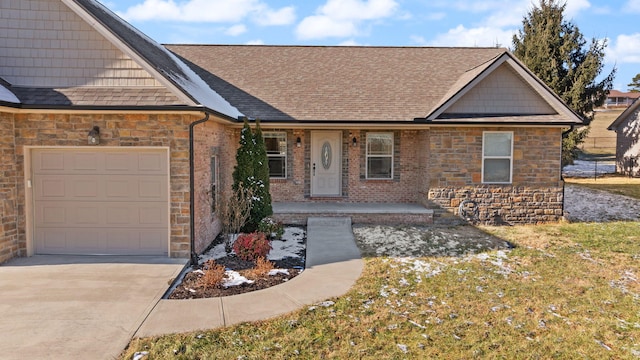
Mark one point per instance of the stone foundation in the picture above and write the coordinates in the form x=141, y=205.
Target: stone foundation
x=501, y=205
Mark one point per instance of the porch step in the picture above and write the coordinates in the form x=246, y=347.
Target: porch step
x=297, y=213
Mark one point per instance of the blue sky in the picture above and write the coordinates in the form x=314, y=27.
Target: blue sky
x=379, y=23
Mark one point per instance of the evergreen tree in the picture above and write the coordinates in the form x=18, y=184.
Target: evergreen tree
x=635, y=84
x=243, y=171
x=556, y=51
x=251, y=174
x=262, y=198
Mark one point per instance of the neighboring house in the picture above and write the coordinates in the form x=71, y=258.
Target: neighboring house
x=432, y=126
x=619, y=99
x=627, y=128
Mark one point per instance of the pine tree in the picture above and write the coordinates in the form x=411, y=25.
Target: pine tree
x=635, y=84
x=556, y=51
x=243, y=171
x=262, y=198
x=251, y=174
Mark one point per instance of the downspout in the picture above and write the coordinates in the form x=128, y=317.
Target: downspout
x=192, y=222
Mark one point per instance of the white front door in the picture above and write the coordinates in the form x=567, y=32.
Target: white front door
x=326, y=163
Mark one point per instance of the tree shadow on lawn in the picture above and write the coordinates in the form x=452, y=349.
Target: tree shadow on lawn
x=425, y=241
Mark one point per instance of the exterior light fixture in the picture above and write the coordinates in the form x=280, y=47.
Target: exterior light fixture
x=94, y=136
x=354, y=142
x=298, y=141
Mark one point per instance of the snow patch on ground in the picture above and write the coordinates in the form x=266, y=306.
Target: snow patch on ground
x=582, y=204
x=583, y=168
x=290, y=245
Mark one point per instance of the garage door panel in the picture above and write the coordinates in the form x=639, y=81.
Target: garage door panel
x=121, y=214
x=101, y=188
x=66, y=241
x=102, y=241
x=101, y=201
x=136, y=162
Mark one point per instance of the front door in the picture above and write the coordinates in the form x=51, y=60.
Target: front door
x=326, y=163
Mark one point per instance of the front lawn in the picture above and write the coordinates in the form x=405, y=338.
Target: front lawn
x=565, y=291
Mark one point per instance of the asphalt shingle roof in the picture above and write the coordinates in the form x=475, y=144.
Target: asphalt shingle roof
x=96, y=96
x=333, y=83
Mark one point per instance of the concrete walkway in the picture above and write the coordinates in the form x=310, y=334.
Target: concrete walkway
x=333, y=266
x=78, y=307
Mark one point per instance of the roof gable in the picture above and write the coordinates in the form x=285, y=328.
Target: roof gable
x=503, y=88
x=45, y=44
x=79, y=53
x=623, y=118
x=166, y=67
x=501, y=92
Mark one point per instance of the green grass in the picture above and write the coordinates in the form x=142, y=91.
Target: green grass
x=565, y=291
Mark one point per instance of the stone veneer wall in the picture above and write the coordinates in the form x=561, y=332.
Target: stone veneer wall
x=9, y=246
x=536, y=194
x=166, y=130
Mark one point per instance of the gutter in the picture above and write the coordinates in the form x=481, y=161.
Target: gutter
x=192, y=230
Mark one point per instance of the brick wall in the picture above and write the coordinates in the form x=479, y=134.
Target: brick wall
x=536, y=194
x=8, y=196
x=166, y=130
x=211, y=139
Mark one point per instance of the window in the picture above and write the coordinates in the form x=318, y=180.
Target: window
x=497, y=159
x=379, y=156
x=276, y=144
x=214, y=183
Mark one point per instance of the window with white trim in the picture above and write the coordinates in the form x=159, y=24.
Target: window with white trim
x=276, y=144
x=379, y=155
x=497, y=157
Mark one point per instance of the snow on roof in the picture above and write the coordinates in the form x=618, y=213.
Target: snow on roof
x=199, y=90
x=7, y=96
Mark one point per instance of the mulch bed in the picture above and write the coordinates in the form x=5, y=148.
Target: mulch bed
x=192, y=286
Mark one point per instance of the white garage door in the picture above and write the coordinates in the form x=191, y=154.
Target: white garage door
x=102, y=201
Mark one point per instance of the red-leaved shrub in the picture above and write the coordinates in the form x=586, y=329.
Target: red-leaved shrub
x=252, y=246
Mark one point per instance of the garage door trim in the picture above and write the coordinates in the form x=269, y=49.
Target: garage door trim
x=29, y=178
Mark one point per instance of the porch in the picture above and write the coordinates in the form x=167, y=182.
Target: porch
x=296, y=213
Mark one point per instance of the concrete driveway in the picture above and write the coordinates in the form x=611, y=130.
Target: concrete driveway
x=78, y=307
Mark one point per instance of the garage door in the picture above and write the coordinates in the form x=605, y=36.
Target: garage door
x=101, y=201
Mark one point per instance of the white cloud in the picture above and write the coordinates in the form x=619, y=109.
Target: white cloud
x=633, y=6
x=625, y=49
x=284, y=16
x=236, y=30
x=255, y=42
x=342, y=18
x=318, y=27
x=358, y=10
x=574, y=7
x=480, y=36
x=209, y=11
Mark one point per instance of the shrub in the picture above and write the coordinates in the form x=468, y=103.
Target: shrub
x=263, y=266
x=252, y=246
x=213, y=273
x=273, y=229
